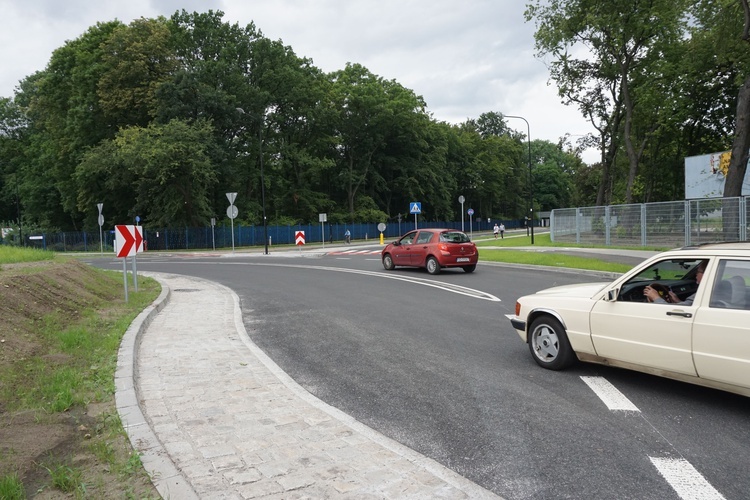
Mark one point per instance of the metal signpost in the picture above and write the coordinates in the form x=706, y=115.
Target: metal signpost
x=461, y=200
x=323, y=218
x=101, y=223
x=232, y=213
x=471, y=227
x=213, y=232
x=128, y=242
x=415, y=207
x=299, y=239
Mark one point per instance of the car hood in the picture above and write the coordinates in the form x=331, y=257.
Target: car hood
x=577, y=290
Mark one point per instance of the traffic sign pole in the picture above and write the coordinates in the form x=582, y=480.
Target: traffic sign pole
x=101, y=223
x=461, y=200
x=125, y=278
x=232, y=212
x=415, y=207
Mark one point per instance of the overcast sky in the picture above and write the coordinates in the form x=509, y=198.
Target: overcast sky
x=464, y=58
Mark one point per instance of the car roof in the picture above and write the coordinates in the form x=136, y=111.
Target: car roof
x=729, y=245
x=438, y=230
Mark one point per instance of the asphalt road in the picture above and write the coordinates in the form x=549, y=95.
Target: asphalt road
x=433, y=363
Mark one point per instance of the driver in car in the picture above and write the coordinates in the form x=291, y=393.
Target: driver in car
x=652, y=294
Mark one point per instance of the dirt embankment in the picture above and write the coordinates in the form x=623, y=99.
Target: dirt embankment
x=34, y=296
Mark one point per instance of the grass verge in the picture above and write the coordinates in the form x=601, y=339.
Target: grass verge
x=60, y=433
x=541, y=258
x=12, y=255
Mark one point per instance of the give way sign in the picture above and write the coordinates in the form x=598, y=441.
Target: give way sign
x=128, y=240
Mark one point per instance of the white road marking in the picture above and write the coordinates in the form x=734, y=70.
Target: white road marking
x=446, y=286
x=609, y=394
x=687, y=482
x=684, y=479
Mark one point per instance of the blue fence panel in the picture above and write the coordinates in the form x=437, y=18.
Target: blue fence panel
x=220, y=237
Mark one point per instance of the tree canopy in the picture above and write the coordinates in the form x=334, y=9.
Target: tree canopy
x=161, y=117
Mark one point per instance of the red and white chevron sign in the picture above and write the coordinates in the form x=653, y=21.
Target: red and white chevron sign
x=299, y=237
x=128, y=240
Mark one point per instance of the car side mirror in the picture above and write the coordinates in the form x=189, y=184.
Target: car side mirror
x=612, y=295
x=396, y=243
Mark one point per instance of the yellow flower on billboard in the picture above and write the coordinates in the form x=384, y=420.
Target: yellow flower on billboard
x=720, y=163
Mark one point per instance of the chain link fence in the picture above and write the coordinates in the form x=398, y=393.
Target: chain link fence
x=664, y=224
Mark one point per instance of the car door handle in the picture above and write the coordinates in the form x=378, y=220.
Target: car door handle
x=677, y=313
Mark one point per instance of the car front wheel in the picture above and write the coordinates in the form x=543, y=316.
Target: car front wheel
x=432, y=265
x=549, y=344
x=388, y=262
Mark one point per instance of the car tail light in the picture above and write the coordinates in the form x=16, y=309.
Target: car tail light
x=518, y=308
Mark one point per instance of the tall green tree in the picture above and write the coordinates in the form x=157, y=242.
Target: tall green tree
x=624, y=43
x=369, y=109
x=161, y=173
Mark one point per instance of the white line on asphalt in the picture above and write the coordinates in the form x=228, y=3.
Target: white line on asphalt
x=687, y=482
x=609, y=394
x=449, y=287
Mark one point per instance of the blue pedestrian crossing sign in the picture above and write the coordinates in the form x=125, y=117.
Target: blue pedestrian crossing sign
x=415, y=207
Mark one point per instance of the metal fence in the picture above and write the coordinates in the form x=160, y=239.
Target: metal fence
x=666, y=224
x=220, y=237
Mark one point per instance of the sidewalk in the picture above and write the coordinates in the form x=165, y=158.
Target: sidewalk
x=213, y=417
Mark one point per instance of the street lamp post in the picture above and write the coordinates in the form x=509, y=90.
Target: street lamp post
x=263, y=186
x=531, y=181
x=262, y=180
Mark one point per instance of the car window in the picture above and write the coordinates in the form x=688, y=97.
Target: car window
x=673, y=269
x=677, y=275
x=424, y=237
x=454, y=237
x=731, y=285
x=408, y=239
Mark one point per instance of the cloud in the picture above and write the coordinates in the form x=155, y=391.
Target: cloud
x=464, y=58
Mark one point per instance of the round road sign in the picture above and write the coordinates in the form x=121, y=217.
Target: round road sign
x=381, y=227
x=232, y=212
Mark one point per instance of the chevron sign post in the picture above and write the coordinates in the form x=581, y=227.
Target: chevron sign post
x=299, y=238
x=128, y=243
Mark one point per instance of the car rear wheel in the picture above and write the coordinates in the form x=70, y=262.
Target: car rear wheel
x=549, y=344
x=432, y=265
x=388, y=262
x=470, y=269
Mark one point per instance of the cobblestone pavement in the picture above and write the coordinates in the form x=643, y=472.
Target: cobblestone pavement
x=214, y=418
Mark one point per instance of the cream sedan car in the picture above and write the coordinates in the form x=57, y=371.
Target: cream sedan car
x=697, y=329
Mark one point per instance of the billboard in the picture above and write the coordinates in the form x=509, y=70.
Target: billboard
x=705, y=176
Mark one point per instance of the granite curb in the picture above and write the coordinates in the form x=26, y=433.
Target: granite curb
x=164, y=474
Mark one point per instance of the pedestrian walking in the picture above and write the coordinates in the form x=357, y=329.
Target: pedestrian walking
x=502, y=231
x=347, y=237
x=496, y=230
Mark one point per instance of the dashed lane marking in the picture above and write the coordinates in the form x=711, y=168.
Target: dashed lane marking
x=609, y=394
x=685, y=480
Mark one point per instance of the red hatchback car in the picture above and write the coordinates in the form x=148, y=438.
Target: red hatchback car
x=432, y=249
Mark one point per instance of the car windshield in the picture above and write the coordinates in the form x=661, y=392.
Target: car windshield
x=454, y=237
